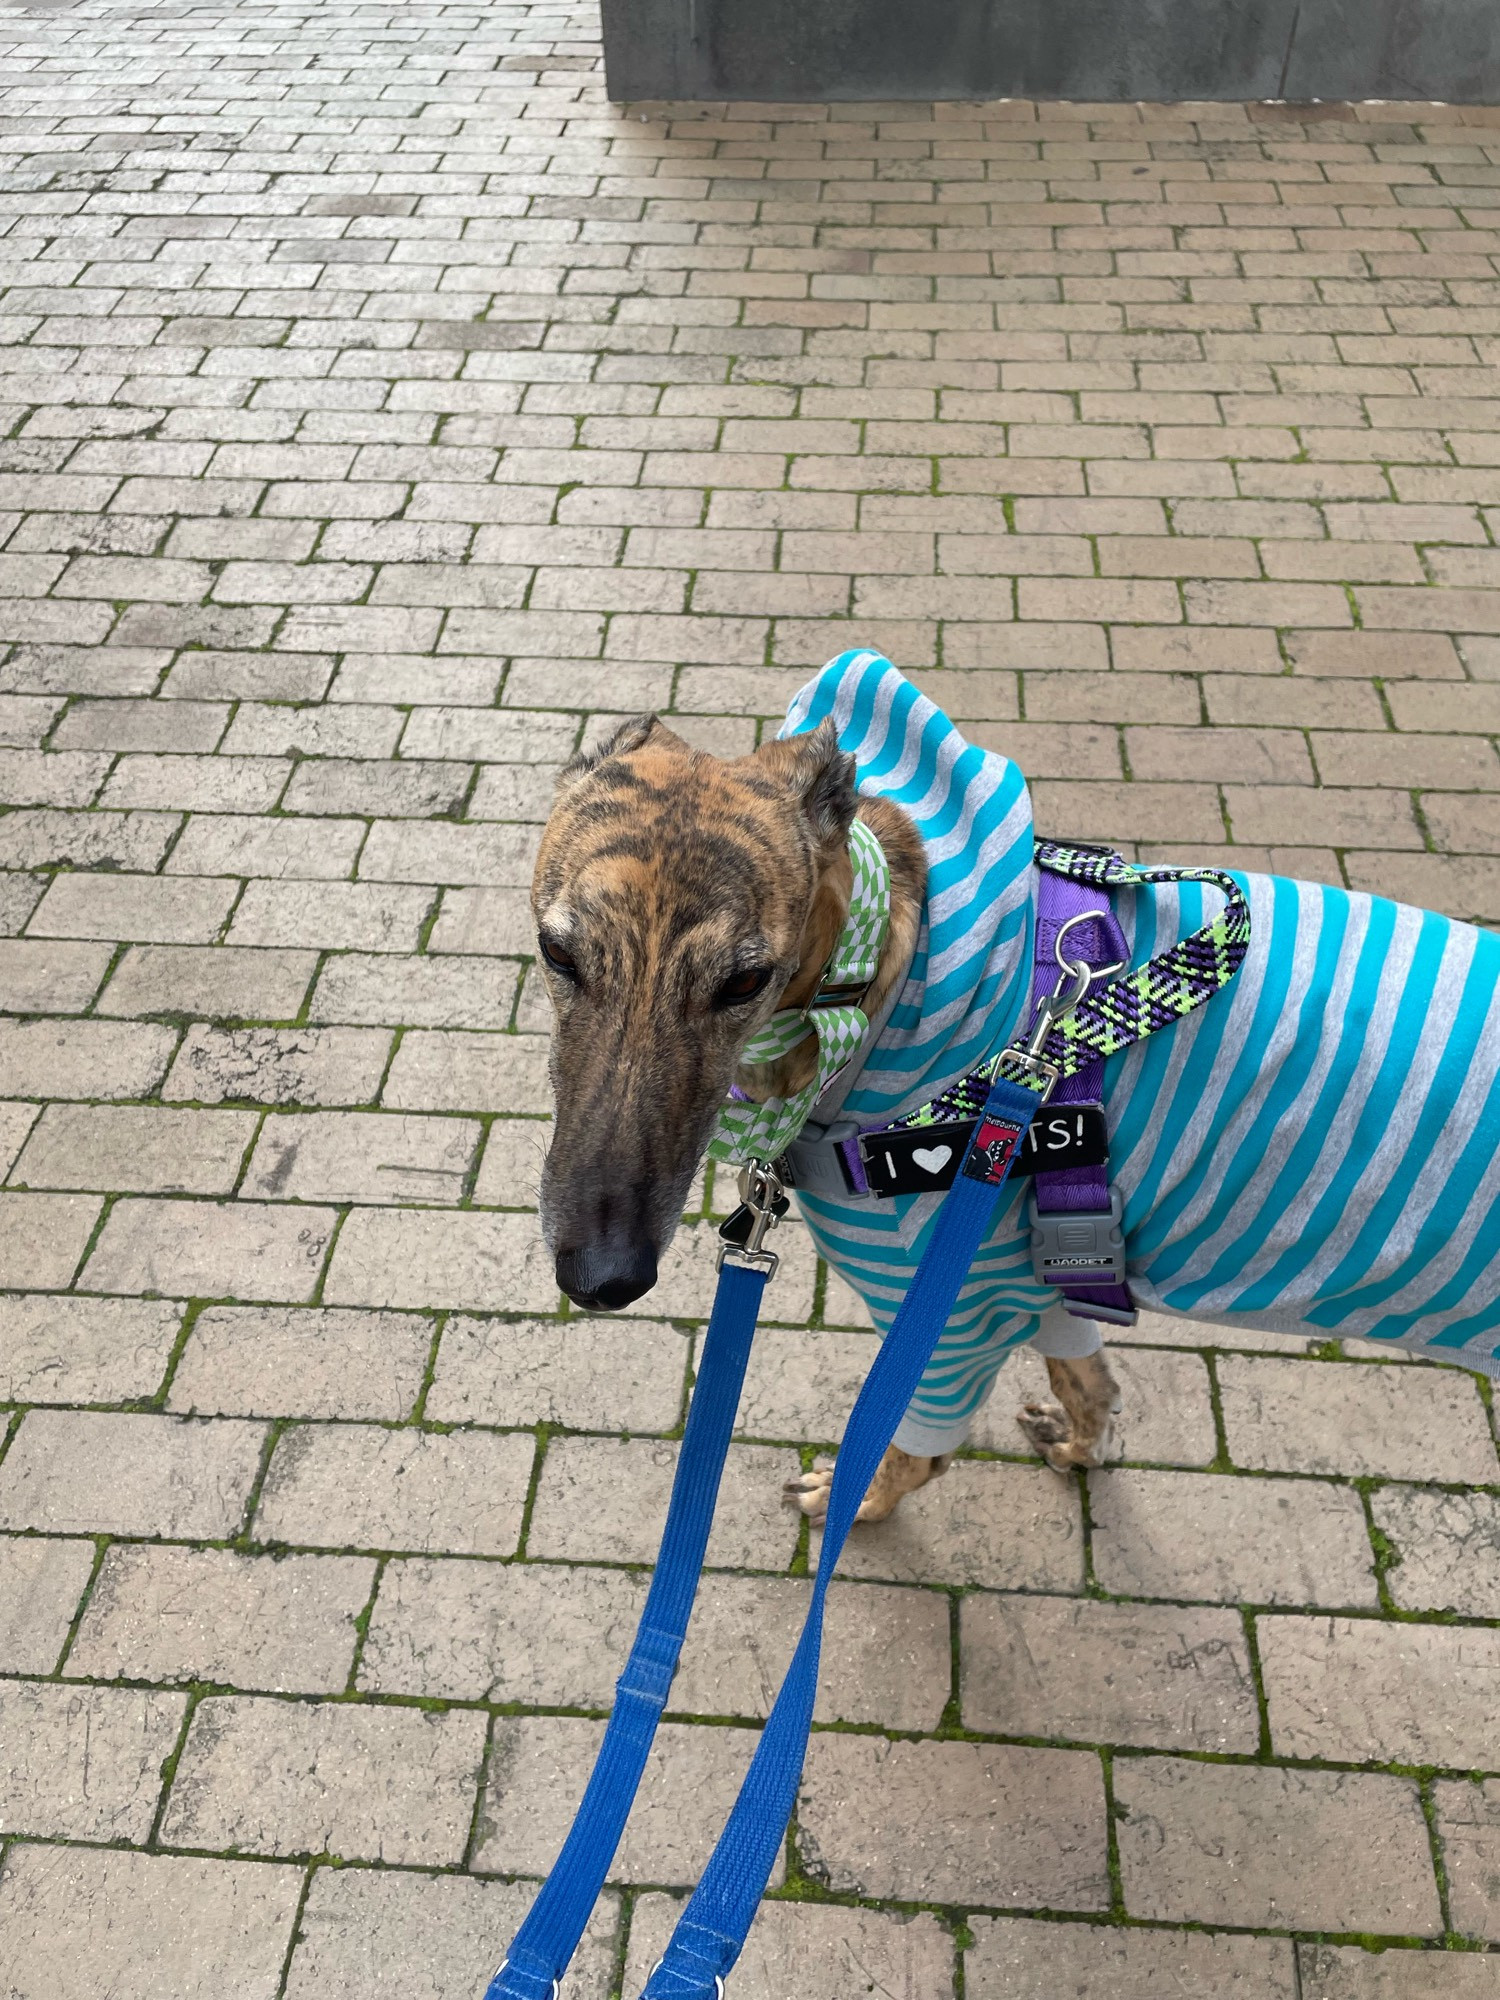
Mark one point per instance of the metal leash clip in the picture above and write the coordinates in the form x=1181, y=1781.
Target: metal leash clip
x=763, y=1202
x=1075, y=977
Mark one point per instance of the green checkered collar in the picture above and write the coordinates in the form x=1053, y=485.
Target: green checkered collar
x=750, y=1131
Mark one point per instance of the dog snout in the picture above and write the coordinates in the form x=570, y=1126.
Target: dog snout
x=606, y=1276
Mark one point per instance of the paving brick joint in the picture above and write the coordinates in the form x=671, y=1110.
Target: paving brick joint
x=384, y=413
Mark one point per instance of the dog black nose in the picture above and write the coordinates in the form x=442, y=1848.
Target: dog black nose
x=606, y=1276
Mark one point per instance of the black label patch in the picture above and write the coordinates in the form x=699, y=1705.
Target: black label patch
x=1064, y=1136
x=915, y=1160
x=919, y=1159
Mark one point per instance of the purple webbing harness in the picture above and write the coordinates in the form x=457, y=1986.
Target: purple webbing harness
x=1096, y=940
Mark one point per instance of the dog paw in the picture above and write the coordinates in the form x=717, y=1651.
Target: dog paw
x=809, y=1490
x=1044, y=1423
x=1049, y=1431
x=899, y=1473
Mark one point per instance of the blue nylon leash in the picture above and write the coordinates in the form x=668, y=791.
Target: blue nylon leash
x=712, y=1930
x=547, y=1939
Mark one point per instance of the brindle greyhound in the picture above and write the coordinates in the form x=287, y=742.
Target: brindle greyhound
x=679, y=901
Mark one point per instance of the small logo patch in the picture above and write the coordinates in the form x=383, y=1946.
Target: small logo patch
x=993, y=1150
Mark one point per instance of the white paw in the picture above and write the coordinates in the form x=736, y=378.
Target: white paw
x=810, y=1490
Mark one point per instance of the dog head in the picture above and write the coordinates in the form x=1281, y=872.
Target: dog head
x=678, y=901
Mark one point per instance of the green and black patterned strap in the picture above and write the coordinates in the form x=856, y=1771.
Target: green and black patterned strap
x=1113, y=1015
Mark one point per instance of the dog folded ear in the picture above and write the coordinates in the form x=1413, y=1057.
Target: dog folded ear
x=632, y=734
x=822, y=776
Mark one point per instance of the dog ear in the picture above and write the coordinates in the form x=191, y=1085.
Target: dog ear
x=627, y=736
x=821, y=775
x=631, y=734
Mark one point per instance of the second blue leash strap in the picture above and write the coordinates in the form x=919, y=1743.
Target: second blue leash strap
x=548, y=1938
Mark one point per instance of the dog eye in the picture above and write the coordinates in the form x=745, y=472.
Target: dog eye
x=559, y=958
x=744, y=986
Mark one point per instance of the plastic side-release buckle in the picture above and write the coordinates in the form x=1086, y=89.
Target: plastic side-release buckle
x=815, y=1162
x=1073, y=1246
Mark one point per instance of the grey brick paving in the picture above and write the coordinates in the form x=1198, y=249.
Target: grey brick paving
x=364, y=1783
x=1013, y=1960
x=1284, y=1541
x=986, y=1522
x=181, y=1614
x=157, y=1924
x=85, y=1762
x=1469, y=1820
x=1446, y=1547
x=1331, y=1973
x=1162, y=1676
x=383, y=414
x=989, y=1822
x=82, y=1472
x=363, y=1486
x=299, y=1362
x=1239, y=1844
x=137, y=1149
x=591, y=1375
x=42, y=1580
x=203, y=1249
x=57, y=1348
x=364, y=1930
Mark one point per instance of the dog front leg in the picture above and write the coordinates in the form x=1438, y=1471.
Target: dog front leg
x=1075, y=1430
x=899, y=1473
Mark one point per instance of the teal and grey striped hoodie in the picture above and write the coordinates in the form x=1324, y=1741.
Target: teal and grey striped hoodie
x=1315, y=1152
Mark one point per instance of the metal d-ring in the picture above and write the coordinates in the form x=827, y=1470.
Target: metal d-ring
x=556, y=1984
x=1075, y=968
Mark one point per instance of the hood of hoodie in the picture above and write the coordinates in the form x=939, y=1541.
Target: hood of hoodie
x=970, y=976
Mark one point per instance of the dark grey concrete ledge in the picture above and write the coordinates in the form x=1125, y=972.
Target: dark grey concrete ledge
x=1102, y=50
